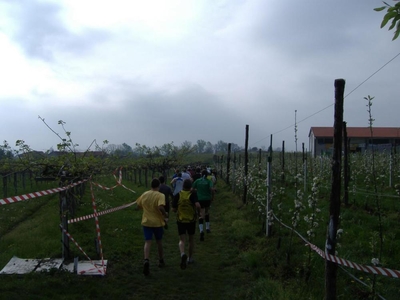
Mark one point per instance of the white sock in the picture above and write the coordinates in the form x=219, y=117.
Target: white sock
x=201, y=227
x=207, y=225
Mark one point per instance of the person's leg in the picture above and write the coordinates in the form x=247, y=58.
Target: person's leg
x=201, y=221
x=158, y=233
x=160, y=253
x=148, y=235
x=207, y=219
x=147, y=246
x=181, y=244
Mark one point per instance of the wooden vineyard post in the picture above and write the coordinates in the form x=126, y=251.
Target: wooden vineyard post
x=4, y=186
x=234, y=173
x=15, y=183
x=64, y=218
x=283, y=163
x=304, y=168
x=246, y=164
x=268, y=225
x=345, y=165
x=334, y=206
x=228, y=163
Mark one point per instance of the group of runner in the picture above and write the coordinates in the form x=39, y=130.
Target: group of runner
x=192, y=192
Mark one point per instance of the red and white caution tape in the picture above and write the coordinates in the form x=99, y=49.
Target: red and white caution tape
x=104, y=187
x=119, y=183
x=364, y=268
x=33, y=195
x=344, y=262
x=97, y=224
x=119, y=180
x=101, y=271
x=104, y=212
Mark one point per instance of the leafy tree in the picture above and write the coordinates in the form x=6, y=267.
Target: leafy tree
x=5, y=151
x=209, y=148
x=393, y=15
x=221, y=146
x=201, y=145
x=126, y=148
x=186, y=145
x=235, y=147
x=168, y=149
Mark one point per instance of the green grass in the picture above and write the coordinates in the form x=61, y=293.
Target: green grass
x=30, y=230
x=236, y=261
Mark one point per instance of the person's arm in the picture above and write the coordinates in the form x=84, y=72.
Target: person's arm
x=161, y=208
x=139, y=203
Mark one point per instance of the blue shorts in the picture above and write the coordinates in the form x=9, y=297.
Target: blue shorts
x=149, y=231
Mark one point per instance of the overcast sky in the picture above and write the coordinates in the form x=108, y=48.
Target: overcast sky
x=161, y=71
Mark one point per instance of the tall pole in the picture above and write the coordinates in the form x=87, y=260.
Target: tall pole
x=269, y=181
x=346, y=165
x=246, y=164
x=228, y=163
x=334, y=207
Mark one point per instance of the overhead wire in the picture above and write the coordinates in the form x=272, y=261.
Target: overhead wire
x=369, y=77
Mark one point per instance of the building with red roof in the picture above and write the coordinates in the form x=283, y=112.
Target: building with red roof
x=360, y=139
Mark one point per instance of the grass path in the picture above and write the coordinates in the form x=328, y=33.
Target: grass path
x=214, y=275
x=218, y=271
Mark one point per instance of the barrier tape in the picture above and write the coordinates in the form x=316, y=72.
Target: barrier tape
x=104, y=212
x=119, y=183
x=344, y=262
x=97, y=224
x=102, y=272
x=104, y=187
x=94, y=215
x=33, y=195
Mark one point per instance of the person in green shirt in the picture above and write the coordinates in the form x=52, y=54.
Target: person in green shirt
x=205, y=194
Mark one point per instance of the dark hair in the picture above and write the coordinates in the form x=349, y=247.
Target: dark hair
x=162, y=179
x=204, y=173
x=155, y=183
x=187, y=184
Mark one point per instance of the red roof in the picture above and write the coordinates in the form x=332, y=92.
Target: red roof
x=359, y=132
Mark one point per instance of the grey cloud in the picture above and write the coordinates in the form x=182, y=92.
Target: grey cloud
x=41, y=33
x=153, y=117
x=311, y=27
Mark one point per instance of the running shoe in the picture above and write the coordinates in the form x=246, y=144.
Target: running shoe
x=208, y=231
x=183, y=261
x=161, y=263
x=202, y=236
x=146, y=267
x=190, y=261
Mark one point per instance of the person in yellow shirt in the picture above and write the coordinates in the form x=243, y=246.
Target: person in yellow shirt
x=154, y=218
